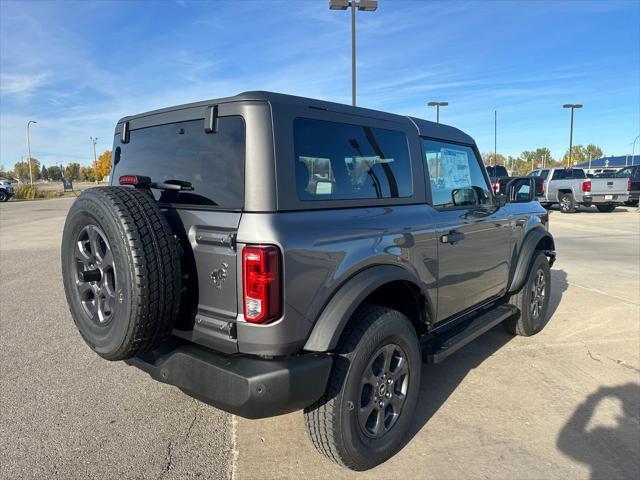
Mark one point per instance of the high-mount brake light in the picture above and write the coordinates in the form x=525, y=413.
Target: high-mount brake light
x=135, y=180
x=586, y=186
x=261, y=283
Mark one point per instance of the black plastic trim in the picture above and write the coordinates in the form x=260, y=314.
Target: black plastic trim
x=246, y=386
x=526, y=256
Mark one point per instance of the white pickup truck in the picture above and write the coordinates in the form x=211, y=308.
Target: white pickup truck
x=570, y=187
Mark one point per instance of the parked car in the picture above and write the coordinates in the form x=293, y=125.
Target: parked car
x=6, y=190
x=632, y=174
x=499, y=177
x=268, y=253
x=570, y=187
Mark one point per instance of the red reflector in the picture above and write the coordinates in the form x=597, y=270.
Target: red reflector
x=261, y=283
x=586, y=186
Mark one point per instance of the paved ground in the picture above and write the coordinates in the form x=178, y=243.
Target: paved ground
x=563, y=404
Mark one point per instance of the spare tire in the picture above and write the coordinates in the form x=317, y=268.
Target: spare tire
x=121, y=271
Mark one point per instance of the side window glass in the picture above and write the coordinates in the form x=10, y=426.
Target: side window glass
x=455, y=175
x=544, y=174
x=339, y=161
x=559, y=175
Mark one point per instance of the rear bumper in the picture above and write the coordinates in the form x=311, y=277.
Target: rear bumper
x=602, y=198
x=245, y=386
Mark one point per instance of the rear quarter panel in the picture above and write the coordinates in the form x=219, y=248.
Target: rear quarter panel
x=323, y=249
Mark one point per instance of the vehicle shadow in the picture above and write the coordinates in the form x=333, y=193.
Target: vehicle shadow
x=439, y=381
x=593, y=209
x=610, y=451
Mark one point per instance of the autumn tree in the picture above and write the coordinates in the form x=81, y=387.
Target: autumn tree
x=103, y=164
x=44, y=173
x=493, y=159
x=54, y=173
x=580, y=154
x=21, y=169
x=87, y=174
x=72, y=171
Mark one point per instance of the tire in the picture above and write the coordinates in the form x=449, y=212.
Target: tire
x=334, y=423
x=131, y=304
x=3, y=196
x=567, y=203
x=606, y=208
x=530, y=320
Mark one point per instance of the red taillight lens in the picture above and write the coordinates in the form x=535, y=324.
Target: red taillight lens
x=586, y=186
x=134, y=180
x=496, y=187
x=628, y=185
x=261, y=283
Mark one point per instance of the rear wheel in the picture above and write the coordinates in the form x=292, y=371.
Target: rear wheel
x=606, y=208
x=366, y=411
x=3, y=196
x=567, y=203
x=532, y=300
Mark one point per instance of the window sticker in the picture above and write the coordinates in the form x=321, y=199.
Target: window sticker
x=456, y=172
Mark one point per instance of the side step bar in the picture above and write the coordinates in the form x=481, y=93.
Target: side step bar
x=441, y=345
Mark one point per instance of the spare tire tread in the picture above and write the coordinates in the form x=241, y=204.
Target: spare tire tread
x=155, y=268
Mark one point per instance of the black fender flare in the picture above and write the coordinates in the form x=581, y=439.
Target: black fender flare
x=525, y=257
x=336, y=314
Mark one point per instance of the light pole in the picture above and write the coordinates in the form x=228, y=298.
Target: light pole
x=495, y=136
x=633, y=152
x=572, y=106
x=29, y=150
x=95, y=159
x=365, y=6
x=437, y=105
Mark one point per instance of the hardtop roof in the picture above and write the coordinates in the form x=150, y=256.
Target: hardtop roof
x=424, y=127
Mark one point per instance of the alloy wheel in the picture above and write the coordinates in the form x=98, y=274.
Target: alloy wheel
x=538, y=294
x=95, y=275
x=383, y=392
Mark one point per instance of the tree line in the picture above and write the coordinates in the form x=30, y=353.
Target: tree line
x=532, y=159
x=73, y=170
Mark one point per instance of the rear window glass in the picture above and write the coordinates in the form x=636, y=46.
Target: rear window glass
x=338, y=161
x=497, y=171
x=213, y=163
x=563, y=174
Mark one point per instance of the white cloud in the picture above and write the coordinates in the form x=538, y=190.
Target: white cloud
x=22, y=84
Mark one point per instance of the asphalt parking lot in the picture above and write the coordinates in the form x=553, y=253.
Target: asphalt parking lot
x=562, y=404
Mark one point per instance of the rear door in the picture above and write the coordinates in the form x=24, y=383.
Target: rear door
x=473, y=234
x=204, y=216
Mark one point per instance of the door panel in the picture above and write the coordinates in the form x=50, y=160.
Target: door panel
x=475, y=268
x=473, y=234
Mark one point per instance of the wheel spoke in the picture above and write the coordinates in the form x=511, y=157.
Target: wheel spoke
x=365, y=412
x=397, y=401
x=379, y=430
x=94, y=242
x=388, y=352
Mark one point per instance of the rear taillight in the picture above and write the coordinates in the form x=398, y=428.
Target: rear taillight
x=261, y=283
x=496, y=187
x=628, y=185
x=586, y=186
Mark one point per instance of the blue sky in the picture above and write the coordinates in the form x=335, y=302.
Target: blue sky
x=76, y=68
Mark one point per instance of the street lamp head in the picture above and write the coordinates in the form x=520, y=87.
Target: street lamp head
x=572, y=105
x=338, y=4
x=437, y=104
x=368, y=5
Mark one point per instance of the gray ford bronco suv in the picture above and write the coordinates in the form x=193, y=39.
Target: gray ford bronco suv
x=267, y=253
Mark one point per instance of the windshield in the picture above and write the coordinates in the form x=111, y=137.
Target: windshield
x=625, y=172
x=212, y=163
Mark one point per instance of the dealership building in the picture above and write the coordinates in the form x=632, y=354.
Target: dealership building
x=613, y=163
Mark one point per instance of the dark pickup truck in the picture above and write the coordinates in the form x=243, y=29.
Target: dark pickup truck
x=267, y=253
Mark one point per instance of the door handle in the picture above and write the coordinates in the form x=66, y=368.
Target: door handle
x=452, y=237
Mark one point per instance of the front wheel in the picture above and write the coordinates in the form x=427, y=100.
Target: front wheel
x=372, y=392
x=3, y=196
x=532, y=301
x=606, y=208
